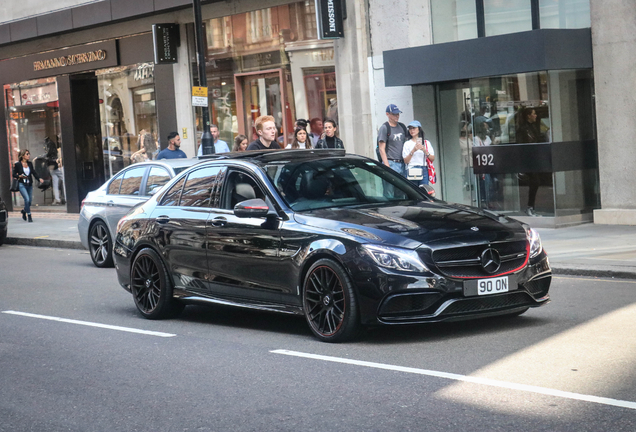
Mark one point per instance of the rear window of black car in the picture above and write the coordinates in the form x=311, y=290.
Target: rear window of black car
x=338, y=182
x=198, y=187
x=171, y=198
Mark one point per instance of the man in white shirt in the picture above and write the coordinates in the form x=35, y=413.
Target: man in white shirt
x=220, y=146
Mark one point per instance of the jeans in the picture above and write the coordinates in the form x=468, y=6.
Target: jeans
x=27, y=195
x=424, y=176
x=398, y=167
x=57, y=175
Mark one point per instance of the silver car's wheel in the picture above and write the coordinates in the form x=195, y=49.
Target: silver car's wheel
x=100, y=245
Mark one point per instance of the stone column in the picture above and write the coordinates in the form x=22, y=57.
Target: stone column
x=614, y=44
x=353, y=85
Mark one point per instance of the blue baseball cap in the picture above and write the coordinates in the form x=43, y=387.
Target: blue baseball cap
x=393, y=109
x=415, y=123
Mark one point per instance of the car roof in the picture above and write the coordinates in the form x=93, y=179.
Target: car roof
x=265, y=156
x=174, y=163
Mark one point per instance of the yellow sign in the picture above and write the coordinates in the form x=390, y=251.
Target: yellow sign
x=200, y=91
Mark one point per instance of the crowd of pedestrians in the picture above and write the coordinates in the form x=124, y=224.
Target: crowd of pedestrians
x=402, y=148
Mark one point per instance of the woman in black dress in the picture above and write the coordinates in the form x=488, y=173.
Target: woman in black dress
x=23, y=171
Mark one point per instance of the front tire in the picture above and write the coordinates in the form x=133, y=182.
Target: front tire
x=100, y=245
x=151, y=287
x=329, y=302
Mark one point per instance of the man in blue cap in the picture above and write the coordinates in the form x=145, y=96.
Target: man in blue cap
x=391, y=138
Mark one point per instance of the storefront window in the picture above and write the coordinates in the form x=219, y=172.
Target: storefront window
x=507, y=16
x=32, y=109
x=495, y=143
x=128, y=115
x=453, y=20
x=251, y=70
x=564, y=14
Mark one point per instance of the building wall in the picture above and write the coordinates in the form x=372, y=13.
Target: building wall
x=394, y=25
x=29, y=8
x=614, y=44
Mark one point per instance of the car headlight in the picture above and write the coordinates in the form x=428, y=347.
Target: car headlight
x=395, y=258
x=535, y=242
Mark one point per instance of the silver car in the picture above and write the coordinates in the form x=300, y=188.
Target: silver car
x=102, y=208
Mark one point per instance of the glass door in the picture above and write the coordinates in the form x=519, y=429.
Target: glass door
x=262, y=94
x=456, y=144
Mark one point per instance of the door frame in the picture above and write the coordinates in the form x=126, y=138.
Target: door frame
x=240, y=106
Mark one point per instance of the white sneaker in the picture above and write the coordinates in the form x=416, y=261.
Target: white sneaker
x=56, y=202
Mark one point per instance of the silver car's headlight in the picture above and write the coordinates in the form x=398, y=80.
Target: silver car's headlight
x=394, y=258
x=535, y=242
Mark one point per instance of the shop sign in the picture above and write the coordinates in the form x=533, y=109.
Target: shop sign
x=69, y=60
x=144, y=71
x=330, y=16
x=200, y=96
x=165, y=41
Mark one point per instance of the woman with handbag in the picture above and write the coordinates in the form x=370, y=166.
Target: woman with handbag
x=24, y=172
x=417, y=153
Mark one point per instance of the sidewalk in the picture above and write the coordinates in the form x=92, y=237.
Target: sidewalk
x=586, y=250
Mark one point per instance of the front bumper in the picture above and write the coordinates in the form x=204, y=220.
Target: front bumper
x=409, y=299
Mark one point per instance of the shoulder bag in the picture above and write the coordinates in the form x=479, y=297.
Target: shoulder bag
x=15, y=185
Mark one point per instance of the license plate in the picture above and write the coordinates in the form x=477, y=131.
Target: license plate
x=493, y=285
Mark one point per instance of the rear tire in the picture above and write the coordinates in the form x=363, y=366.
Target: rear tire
x=151, y=287
x=100, y=245
x=329, y=302
x=3, y=236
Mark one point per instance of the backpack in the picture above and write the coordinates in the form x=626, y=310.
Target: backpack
x=388, y=134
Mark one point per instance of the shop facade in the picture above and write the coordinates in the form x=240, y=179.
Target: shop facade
x=94, y=88
x=269, y=62
x=507, y=94
x=91, y=101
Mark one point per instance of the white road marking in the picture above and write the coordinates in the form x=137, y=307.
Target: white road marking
x=466, y=378
x=91, y=324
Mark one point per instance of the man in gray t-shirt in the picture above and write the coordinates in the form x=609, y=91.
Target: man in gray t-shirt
x=390, y=143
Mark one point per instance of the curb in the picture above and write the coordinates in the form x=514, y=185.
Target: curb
x=600, y=273
x=60, y=244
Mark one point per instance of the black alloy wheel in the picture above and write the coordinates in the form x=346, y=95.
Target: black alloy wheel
x=151, y=287
x=100, y=245
x=329, y=302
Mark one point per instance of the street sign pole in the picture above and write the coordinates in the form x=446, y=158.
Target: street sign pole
x=207, y=142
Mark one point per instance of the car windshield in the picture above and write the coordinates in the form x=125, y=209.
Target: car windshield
x=338, y=182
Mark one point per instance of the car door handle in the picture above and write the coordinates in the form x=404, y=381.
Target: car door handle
x=163, y=219
x=219, y=221
x=110, y=203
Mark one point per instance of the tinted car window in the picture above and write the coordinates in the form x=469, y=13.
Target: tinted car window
x=336, y=182
x=131, y=183
x=198, y=187
x=157, y=178
x=239, y=187
x=113, y=187
x=171, y=198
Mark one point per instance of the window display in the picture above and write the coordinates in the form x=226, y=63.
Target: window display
x=128, y=115
x=251, y=70
x=33, y=123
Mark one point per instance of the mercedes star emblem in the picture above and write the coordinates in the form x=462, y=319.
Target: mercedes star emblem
x=475, y=229
x=490, y=260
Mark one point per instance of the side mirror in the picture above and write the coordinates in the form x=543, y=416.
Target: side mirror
x=256, y=208
x=428, y=190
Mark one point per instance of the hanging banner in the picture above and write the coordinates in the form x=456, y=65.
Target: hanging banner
x=165, y=39
x=330, y=16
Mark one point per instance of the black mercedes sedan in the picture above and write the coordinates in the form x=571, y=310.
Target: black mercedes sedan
x=338, y=238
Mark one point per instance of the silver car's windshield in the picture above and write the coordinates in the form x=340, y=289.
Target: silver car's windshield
x=338, y=182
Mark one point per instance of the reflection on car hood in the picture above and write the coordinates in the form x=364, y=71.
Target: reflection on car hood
x=410, y=224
